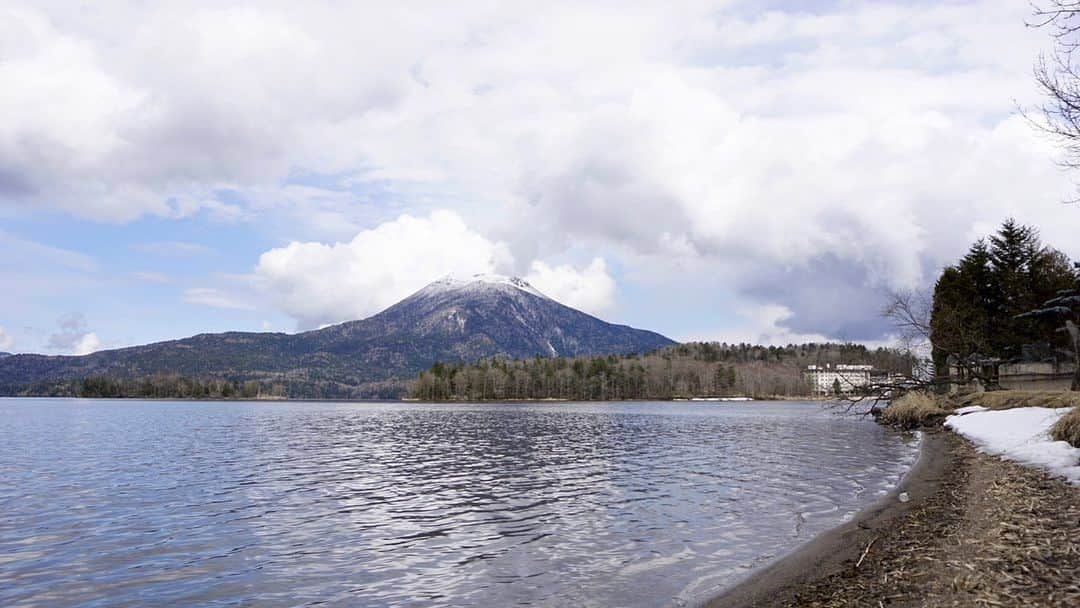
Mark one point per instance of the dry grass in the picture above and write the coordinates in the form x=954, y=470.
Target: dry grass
x=914, y=410
x=1004, y=400
x=993, y=534
x=1068, y=428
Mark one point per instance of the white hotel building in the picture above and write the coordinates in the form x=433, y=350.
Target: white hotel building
x=824, y=378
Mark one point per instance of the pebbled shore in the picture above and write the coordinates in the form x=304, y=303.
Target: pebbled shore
x=978, y=531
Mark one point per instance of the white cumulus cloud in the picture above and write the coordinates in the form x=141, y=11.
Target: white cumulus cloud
x=73, y=336
x=5, y=340
x=590, y=289
x=87, y=344
x=319, y=283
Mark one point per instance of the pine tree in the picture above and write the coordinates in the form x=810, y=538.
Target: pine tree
x=979, y=304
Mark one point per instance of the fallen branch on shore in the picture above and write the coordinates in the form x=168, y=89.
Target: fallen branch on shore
x=865, y=551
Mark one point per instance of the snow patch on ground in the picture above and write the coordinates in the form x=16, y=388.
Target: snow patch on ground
x=971, y=409
x=1020, y=434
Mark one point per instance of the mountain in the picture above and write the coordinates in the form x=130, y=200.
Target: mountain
x=2, y=355
x=449, y=320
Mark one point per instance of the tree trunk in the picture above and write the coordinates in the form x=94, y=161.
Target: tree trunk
x=1074, y=333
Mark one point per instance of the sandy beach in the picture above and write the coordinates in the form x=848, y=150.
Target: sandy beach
x=976, y=531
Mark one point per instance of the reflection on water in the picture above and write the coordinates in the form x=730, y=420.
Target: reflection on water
x=158, y=503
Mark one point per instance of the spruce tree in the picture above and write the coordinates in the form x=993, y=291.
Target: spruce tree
x=979, y=304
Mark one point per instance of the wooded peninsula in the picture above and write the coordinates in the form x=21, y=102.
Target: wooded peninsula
x=695, y=369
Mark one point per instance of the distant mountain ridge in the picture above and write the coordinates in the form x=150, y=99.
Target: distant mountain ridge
x=449, y=320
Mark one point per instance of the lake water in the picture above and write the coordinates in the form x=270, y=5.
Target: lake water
x=110, y=503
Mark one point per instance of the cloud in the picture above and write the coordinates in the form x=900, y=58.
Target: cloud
x=149, y=276
x=761, y=324
x=868, y=141
x=833, y=296
x=73, y=336
x=87, y=344
x=196, y=99
x=216, y=298
x=6, y=341
x=62, y=121
x=15, y=248
x=172, y=249
x=318, y=283
x=590, y=289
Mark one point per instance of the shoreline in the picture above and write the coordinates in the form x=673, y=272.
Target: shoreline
x=977, y=530
x=830, y=551
x=431, y=402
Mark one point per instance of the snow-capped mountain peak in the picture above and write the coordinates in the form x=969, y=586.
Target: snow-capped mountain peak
x=483, y=315
x=478, y=282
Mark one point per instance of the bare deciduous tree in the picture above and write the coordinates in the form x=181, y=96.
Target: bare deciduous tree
x=1058, y=76
x=909, y=311
x=925, y=333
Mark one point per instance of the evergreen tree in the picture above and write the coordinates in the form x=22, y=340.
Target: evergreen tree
x=978, y=304
x=1064, y=309
x=1012, y=255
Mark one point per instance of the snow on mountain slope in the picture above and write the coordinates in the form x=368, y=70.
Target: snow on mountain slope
x=479, y=283
x=491, y=315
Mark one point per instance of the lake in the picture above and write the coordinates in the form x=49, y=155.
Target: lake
x=377, y=504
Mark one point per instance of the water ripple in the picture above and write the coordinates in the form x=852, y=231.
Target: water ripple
x=134, y=503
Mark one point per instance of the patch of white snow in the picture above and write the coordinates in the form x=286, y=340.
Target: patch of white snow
x=1021, y=434
x=454, y=282
x=971, y=409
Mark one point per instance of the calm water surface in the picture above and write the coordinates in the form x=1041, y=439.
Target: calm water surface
x=111, y=503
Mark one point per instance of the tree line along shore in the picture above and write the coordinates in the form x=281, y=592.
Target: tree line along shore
x=695, y=369
x=175, y=387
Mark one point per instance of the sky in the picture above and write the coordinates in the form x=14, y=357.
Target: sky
x=736, y=171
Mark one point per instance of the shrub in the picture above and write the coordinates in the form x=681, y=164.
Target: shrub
x=912, y=410
x=1067, y=428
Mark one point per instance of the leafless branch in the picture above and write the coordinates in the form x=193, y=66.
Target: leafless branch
x=1058, y=77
